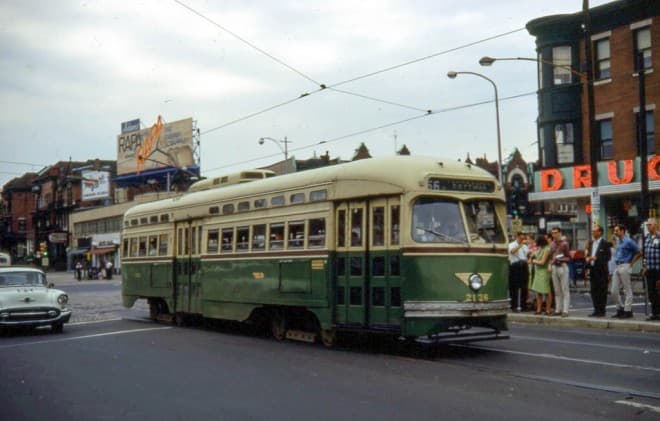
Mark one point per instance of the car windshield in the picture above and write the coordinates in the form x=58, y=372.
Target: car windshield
x=22, y=279
x=437, y=221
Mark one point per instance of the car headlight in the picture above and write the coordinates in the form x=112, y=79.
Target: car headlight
x=63, y=299
x=476, y=282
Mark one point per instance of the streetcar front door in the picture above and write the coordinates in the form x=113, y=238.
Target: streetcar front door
x=188, y=249
x=351, y=264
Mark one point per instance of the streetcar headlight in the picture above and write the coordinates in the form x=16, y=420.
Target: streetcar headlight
x=476, y=282
x=62, y=299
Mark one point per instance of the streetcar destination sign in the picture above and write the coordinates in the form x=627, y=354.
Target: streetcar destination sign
x=455, y=184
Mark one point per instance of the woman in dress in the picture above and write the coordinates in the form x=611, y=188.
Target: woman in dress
x=541, y=282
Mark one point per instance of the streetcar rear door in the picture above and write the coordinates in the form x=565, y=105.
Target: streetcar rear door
x=188, y=249
x=351, y=264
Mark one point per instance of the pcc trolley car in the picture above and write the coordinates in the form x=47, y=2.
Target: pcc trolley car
x=406, y=246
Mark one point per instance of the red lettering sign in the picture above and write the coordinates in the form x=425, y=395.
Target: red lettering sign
x=613, y=172
x=581, y=176
x=551, y=180
x=653, y=168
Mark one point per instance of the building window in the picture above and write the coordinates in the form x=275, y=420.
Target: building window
x=564, y=141
x=561, y=65
x=650, y=134
x=642, y=39
x=603, y=59
x=543, y=149
x=605, y=138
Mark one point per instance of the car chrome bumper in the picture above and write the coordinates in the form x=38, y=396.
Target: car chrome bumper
x=33, y=318
x=452, y=309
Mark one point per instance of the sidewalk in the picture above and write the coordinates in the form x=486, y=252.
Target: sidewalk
x=581, y=307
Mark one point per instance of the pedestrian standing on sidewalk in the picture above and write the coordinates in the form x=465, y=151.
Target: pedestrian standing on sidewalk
x=651, y=267
x=598, y=254
x=78, y=270
x=627, y=253
x=541, y=280
x=518, y=272
x=560, y=258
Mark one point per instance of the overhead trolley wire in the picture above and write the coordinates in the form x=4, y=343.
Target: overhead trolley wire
x=243, y=40
x=372, y=129
x=335, y=85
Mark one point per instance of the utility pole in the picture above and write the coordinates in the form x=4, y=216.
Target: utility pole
x=594, y=147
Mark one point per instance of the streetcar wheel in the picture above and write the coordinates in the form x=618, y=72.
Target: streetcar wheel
x=179, y=319
x=329, y=337
x=278, y=327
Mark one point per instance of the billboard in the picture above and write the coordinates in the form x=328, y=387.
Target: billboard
x=161, y=146
x=95, y=185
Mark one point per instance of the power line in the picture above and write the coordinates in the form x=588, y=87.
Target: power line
x=32, y=164
x=372, y=129
x=322, y=86
x=243, y=40
x=417, y=60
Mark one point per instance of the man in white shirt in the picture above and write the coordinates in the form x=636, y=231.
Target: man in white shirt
x=518, y=272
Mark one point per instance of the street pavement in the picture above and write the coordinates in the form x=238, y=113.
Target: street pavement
x=91, y=301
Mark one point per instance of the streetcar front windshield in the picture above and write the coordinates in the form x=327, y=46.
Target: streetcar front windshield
x=437, y=220
x=482, y=221
x=440, y=220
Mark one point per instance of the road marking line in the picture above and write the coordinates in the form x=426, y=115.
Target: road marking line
x=75, y=338
x=561, y=358
x=91, y=322
x=554, y=341
x=639, y=405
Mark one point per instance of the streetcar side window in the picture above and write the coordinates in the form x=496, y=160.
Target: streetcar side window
x=378, y=226
x=227, y=240
x=297, y=198
x=276, y=236
x=296, y=235
x=134, y=247
x=341, y=228
x=162, y=245
x=277, y=201
x=153, y=245
x=356, y=227
x=193, y=241
x=242, y=239
x=394, y=225
x=259, y=237
x=125, y=250
x=180, y=242
x=142, y=246
x=212, y=241
x=316, y=233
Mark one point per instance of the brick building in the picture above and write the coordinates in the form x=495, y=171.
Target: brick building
x=619, y=32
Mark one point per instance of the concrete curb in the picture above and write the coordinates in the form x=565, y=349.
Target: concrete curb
x=586, y=322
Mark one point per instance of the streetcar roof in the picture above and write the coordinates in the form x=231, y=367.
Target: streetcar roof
x=366, y=177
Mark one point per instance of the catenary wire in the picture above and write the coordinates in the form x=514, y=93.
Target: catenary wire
x=382, y=126
x=243, y=40
x=322, y=86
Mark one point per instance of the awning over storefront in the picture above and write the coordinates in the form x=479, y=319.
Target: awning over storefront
x=79, y=250
x=103, y=250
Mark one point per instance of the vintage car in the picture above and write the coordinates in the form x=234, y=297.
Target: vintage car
x=27, y=300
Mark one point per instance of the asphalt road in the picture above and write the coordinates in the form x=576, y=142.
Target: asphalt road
x=111, y=363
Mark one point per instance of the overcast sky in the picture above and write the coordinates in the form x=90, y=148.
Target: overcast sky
x=72, y=71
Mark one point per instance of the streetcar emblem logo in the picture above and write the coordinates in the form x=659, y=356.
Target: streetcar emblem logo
x=465, y=277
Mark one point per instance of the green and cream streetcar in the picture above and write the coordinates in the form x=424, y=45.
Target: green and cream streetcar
x=406, y=246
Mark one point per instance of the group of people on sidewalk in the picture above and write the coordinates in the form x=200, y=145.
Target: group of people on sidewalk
x=540, y=266
x=103, y=272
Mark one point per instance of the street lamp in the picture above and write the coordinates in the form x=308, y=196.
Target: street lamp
x=452, y=75
x=488, y=61
x=279, y=143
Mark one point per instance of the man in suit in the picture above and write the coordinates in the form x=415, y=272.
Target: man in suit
x=598, y=255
